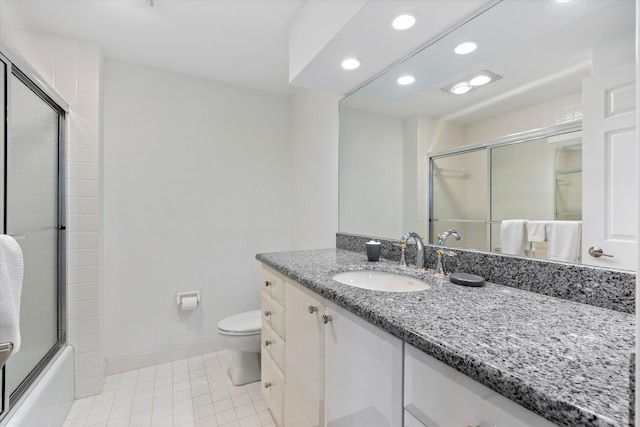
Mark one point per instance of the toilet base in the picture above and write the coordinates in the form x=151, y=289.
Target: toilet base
x=244, y=368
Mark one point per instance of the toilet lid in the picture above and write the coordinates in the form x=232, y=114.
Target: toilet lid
x=250, y=321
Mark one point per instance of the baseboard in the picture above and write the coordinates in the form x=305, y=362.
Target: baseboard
x=115, y=365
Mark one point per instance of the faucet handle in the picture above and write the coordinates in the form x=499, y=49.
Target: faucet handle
x=403, y=259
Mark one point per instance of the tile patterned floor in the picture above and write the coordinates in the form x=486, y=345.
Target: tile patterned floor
x=189, y=392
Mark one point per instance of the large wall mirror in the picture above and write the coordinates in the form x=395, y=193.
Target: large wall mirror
x=515, y=133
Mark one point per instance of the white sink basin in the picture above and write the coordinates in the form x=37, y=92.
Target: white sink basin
x=381, y=281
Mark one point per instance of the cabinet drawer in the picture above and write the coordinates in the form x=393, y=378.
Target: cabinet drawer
x=273, y=314
x=436, y=394
x=272, y=388
x=273, y=284
x=274, y=345
x=278, y=351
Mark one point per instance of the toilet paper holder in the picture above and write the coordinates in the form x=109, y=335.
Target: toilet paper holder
x=188, y=300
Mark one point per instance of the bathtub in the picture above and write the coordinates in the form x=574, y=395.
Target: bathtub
x=49, y=399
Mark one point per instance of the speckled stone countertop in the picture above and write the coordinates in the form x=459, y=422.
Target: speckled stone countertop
x=566, y=361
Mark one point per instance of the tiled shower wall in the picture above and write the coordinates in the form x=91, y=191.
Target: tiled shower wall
x=74, y=70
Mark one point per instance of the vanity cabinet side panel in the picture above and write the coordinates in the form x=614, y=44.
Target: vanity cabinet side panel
x=304, y=395
x=273, y=348
x=363, y=373
x=438, y=395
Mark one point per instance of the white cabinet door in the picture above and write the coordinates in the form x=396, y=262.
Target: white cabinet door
x=273, y=387
x=610, y=191
x=440, y=396
x=304, y=393
x=363, y=373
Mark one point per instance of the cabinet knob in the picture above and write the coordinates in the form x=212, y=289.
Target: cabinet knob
x=267, y=384
x=267, y=313
x=267, y=343
x=312, y=309
x=267, y=283
x=326, y=319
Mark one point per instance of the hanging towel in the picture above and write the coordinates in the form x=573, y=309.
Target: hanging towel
x=536, y=231
x=11, y=274
x=513, y=237
x=563, y=239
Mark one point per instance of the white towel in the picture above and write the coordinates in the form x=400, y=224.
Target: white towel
x=513, y=238
x=536, y=231
x=11, y=274
x=563, y=239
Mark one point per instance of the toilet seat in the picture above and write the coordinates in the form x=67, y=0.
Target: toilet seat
x=248, y=323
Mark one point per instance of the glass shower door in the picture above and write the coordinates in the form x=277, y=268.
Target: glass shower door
x=31, y=216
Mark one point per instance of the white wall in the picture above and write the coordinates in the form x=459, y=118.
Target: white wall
x=314, y=137
x=197, y=180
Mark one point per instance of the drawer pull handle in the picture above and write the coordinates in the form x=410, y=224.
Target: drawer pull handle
x=267, y=343
x=267, y=384
x=312, y=309
x=326, y=319
x=267, y=283
x=267, y=313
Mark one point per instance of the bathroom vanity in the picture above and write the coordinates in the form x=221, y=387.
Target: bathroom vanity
x=449, y=355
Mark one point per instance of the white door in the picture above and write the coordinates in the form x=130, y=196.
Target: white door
x=610, y=190
x=363, y=373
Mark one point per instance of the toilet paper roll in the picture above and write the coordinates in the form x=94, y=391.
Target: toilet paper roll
x=189, y=303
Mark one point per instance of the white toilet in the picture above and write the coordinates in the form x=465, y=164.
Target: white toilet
x=241, y=334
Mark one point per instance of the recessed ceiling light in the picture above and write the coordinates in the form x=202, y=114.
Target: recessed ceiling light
x=461, y=88
x=406, y=80
x=472, y=82
x=404, y=21
x=480, y=79
x=563, y=1
x=350, y=64
x=464, y=48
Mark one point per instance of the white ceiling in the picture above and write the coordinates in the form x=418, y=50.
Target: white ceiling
x=242, y=42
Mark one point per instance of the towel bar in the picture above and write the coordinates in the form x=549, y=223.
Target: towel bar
x=5, y=351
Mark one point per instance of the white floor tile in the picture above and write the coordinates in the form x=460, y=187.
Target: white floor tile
x=193, y=392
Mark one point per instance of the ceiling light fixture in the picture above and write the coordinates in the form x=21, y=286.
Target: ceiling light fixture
x=480, y=79
x=466, y=47
x=472, y=82
x=406, y=80
x=404, y=21
x=461, y=88
x=350, y=64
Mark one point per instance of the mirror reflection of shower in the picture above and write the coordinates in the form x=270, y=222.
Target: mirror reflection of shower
x=532, y=177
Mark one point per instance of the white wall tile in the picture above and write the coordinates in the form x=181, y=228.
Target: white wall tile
x=89, y=102
x=88, y=240
x=89, y=325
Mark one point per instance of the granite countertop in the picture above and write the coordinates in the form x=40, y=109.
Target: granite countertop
x=566, y=361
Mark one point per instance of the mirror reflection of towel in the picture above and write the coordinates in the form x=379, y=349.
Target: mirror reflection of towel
x=536, y=231
x=563, y=239
x=513, y=237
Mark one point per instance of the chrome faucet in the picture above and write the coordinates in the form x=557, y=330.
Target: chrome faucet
x=420, y=253
x=443, y=238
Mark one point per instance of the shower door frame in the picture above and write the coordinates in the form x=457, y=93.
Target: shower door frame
x=16, y=66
